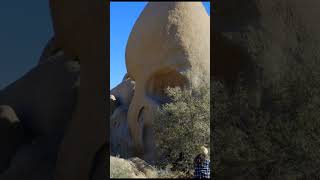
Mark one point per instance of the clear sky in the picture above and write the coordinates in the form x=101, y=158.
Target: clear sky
x=26, y=27
x=24, y=30
x=122, y=18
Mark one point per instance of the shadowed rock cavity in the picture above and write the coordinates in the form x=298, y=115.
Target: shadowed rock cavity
x=159, y=82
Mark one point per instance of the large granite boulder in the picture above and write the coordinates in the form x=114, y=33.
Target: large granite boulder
x=169, y=45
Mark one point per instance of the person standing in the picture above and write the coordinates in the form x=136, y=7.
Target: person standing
x=202, y=164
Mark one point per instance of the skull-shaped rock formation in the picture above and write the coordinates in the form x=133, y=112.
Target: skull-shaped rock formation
x=169, y=45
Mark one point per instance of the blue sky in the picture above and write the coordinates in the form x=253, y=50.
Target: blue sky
x=122, y=18
x=24, y=31
x=26, y=27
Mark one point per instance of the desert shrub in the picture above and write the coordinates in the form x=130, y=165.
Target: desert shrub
x=120, y=169
x=279, y=139
x=182, y=126
x=167, y=173
x=123, y=168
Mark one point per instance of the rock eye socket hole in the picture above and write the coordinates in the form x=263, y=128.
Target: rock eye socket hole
x=160, y=81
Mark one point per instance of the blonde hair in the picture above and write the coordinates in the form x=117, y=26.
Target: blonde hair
x=203, y=155
x=203, y=150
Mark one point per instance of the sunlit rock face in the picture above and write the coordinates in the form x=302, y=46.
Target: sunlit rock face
x=169, y=46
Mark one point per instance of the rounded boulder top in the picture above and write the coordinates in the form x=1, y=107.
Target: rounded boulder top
x=169, y=34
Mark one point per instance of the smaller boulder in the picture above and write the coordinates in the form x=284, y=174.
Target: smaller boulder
x=113, y=104
x=132, y=168
x=124, y=92
x=120, y=140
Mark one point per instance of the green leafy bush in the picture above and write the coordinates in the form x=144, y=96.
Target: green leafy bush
x=182, y=126
x=279, y=139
